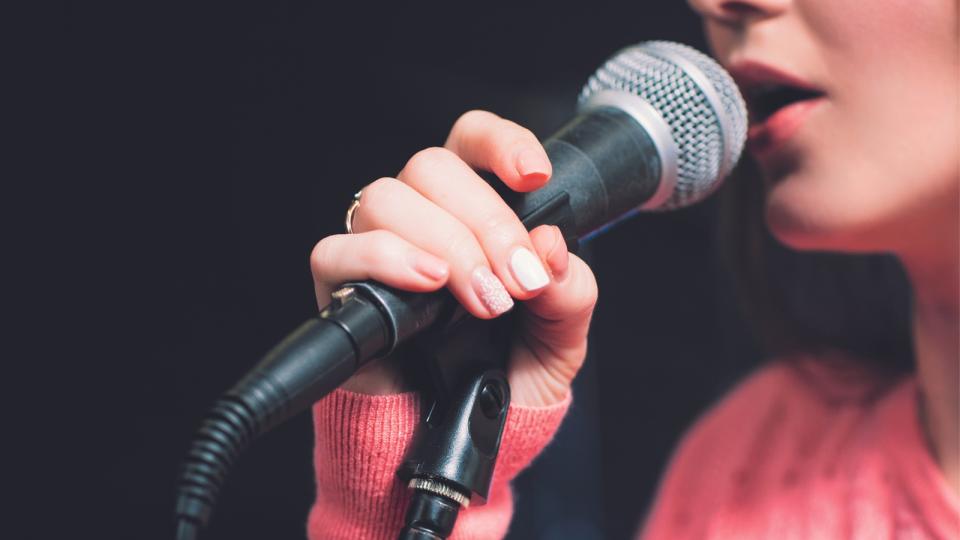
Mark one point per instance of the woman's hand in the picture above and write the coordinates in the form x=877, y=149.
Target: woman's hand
x=439, y=224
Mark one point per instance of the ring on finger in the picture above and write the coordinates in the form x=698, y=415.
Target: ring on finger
x=351, y=210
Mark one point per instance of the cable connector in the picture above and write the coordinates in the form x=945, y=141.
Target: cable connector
x=438, y=487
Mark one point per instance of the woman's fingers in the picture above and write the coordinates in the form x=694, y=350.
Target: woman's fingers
x=379, y=255
x=552, y=345
x=439, y=223
x=394, y=206
x=441, y=206
x=443, y=178
x=559, y=318
x=485, y=141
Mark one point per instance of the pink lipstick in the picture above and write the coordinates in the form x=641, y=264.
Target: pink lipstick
x=779, y=104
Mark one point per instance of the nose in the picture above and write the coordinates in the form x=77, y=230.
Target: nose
x=738, y=11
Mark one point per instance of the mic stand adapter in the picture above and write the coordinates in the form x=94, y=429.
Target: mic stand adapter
x=451, y=461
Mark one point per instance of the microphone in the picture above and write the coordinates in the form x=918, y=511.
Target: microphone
x=660, y=125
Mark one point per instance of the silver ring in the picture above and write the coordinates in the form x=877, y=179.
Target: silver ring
x=354, y=204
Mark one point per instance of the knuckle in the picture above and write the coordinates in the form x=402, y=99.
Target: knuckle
x=472, y=118
x=502, y=228
x=377, y=188
x=426, y=160
x=377, y=193
x=460, y=245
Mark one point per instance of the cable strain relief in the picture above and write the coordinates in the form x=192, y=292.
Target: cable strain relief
x=224, y=434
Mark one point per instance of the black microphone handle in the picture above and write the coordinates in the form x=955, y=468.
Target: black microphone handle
x=604, y=166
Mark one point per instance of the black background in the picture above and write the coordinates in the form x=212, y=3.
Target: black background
x=179, y=161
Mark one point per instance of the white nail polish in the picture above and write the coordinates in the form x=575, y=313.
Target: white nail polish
x=491, y=291
x=528, y=270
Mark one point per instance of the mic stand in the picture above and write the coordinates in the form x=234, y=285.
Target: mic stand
x=466, y=397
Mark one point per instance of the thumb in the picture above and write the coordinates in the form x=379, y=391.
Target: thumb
x=559, y=317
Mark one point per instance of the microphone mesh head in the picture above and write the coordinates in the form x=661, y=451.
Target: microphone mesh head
x=695, y=97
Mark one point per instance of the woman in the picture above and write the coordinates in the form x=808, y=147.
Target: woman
x=859, y=155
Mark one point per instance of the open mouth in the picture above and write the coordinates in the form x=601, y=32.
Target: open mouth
x=768, y=89
x=764, y=100
x=778, y=103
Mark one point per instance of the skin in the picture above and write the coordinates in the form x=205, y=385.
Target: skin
x=873, y=169
x=439, y=216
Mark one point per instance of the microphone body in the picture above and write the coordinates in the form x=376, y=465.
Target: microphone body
x=605, y=165
x=660, y=126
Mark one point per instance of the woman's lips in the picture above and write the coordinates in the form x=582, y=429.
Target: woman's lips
x=758, y=81
x=766, y=137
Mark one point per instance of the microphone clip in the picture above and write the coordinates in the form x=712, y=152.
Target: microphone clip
x=466, y=397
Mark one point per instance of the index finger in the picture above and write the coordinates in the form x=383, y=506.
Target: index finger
x=486, y=141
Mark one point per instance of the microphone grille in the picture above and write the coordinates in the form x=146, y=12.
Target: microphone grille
x=696, y=98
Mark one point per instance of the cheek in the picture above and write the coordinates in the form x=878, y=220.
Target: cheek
x=876, y=197
x=884, y=26
x=892, y=66
x=886, y=156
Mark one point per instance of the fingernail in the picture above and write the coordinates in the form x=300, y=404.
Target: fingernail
x=531, y=163
x=433, y=268
x=528, y=270
x=491, y=291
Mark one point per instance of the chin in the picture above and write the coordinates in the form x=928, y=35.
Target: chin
x=803, y=219
x=797, y=233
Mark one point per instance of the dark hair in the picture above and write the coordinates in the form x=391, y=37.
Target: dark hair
x=812, y=301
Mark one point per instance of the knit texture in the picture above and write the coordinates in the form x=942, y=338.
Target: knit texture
x=807, y=448
x=804, y=448
x=360, y=443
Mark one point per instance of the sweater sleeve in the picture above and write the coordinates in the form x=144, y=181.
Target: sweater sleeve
x=360, y=441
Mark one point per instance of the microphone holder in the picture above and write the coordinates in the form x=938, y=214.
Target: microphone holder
x=466, y=396
x=460, y=374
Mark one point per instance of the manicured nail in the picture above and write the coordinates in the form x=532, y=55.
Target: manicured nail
x=430, y=267
x=531, y=162
x=528, y=270
x=491, y=291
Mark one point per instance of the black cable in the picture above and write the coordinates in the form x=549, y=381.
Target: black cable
x=323, y=348
x=223, y=436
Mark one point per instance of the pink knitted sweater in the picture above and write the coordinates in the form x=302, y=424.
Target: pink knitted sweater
x=806, y=448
